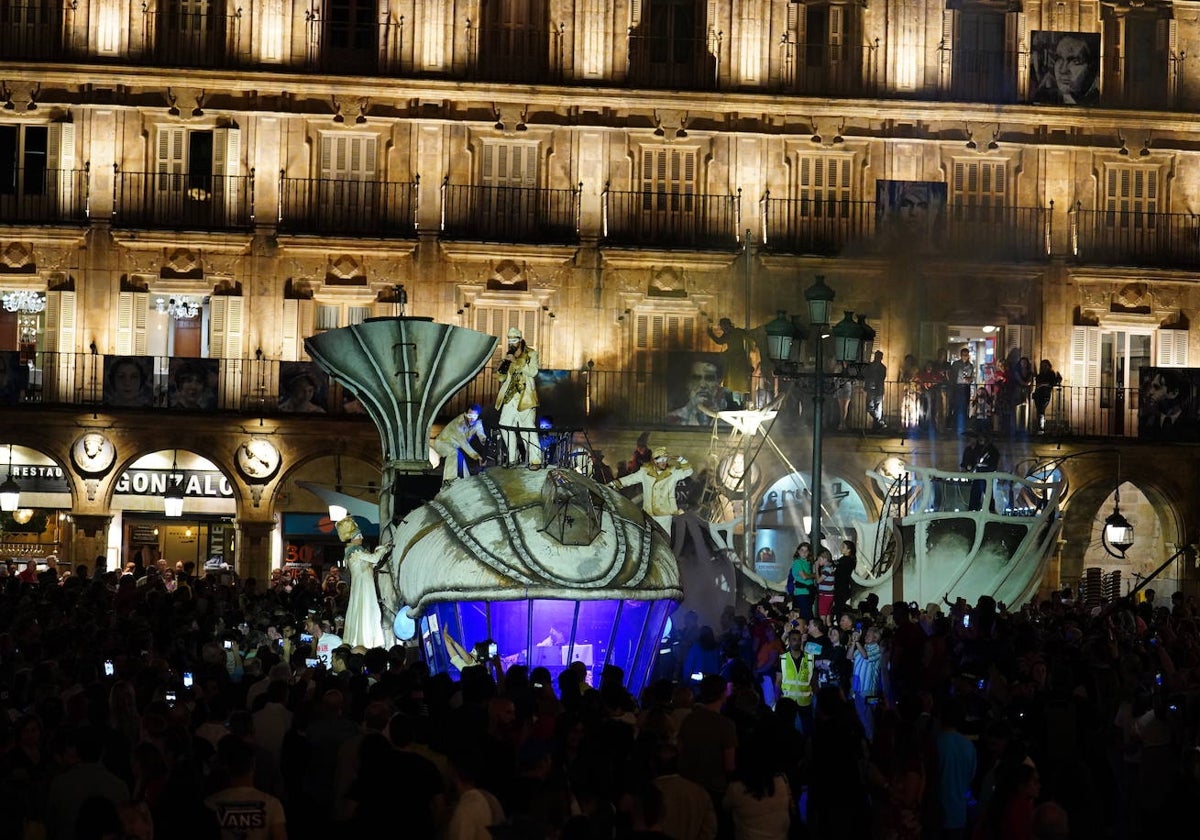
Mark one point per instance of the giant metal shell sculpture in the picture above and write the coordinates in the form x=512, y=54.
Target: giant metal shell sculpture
x=402, y=371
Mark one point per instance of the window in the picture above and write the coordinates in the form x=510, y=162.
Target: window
x=823, y=185
x=984, y=47
x=514, y=40
x=198, y=167
x=655, y=334
x=508, y=164
x=348, y=157
x=829, y=53
x=24, y=155
x=669, y=179
x=351, y=39
x=330, y=316
x=1131, y=198
x=496, y=318
x=1140, y=50
x=978, y=190
x=189, y=31
x=668, y=46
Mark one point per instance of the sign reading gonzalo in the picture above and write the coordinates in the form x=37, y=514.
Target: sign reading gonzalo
x=196, y=483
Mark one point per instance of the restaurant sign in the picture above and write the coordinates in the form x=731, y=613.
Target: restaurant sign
x=210, y=484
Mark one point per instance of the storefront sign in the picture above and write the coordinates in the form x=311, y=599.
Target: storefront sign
x=196, y=483
x=41, y=478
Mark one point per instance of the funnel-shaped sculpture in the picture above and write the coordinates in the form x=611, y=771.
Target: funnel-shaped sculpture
x=402, y=371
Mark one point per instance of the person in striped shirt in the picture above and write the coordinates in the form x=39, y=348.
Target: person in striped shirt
x=864, y=684
x=825, y=585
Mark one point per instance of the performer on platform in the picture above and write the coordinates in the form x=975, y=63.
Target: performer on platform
x=453, y=444
x=364, y=623
x=658, y=480
x=517, y=399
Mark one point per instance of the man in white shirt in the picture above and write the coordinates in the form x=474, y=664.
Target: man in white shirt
x=324, y=642
x=242, y=811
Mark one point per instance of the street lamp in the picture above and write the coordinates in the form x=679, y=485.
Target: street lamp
x=173, y=497
x=848, y=338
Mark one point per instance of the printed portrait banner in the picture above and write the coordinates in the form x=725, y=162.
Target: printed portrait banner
x=192, y=384
x=695, y=382
x=129, y=381
x=303, y=388
x=1167, y=404
x=910, y=207
x=1064, y=67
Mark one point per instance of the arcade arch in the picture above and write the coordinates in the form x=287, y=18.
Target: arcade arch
x=41, y=525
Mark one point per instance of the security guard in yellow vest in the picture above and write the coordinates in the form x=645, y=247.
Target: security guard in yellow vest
x=795, y=675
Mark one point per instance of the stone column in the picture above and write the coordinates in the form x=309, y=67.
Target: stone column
x=90, y=539
x=253, y=557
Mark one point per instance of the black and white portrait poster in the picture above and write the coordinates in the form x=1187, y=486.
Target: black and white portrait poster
x=1064, y=68
x=1167, y=404
x=192, y=384
x=696, y=389
x=911, y=211
x=303, y=388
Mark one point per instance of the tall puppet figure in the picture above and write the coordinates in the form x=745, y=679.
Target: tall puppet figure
x=517, y=399
x=364, y=622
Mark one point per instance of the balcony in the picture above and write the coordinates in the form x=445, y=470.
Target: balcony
x=1116, y=237
x=672, y=63
x=180, y=35
x=181, y=201
x=832, y=226
x=980, y=75
x=510, y=214
x=44, y=197
x=34, y=31
x=823, y=69
x=331, y=207
x=339, y=44
x=515, y=52
x=617, y=398
x=671, y=220
x=815, y=226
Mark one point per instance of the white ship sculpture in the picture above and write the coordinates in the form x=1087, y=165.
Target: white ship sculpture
x=930, y=543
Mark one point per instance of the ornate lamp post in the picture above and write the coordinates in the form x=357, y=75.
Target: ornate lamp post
x=848, y=336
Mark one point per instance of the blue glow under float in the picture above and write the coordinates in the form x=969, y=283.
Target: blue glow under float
x=551, y=566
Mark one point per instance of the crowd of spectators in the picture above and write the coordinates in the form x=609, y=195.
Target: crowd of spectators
x=220, y=707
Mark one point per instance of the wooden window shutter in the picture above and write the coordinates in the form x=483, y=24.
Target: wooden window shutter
x=1171, y=348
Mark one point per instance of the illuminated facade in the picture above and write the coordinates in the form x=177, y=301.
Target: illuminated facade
x=612, y=178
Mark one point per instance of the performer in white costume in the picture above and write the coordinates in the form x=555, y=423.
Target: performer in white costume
x=517, y=399
x=364, y=622
x=658, y=479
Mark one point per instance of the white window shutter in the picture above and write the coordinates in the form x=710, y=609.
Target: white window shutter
x=132, y=308
x=171, y=161
x=1171, y=348
x=235, y=328
x=1084, y=371
x=60, y=163
x=217, y=327
x=227, y=151
x=58, y=364
x=289, y=330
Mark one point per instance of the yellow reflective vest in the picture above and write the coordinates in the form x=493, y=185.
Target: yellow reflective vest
x=796, y=680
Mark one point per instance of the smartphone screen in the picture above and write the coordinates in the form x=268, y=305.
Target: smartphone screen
x=108, y=668
x=187, y=679
x=311, y=663
x=306, y=637
x=228, y=645
x=170, y=698
x=492, y=649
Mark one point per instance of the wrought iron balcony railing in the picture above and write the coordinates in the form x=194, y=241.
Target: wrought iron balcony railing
x=190, y=36
x=674, y=63
x=515, y=53
x=661, y=219
x=510, y=214
x=831, y=226
x=353, y=40
x=1122, y=237
x=183, y=201
x=331, y=207
x=821, y=69
x=44, y=196
x=38, y=30
x=980, y=75
x=614, y=398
